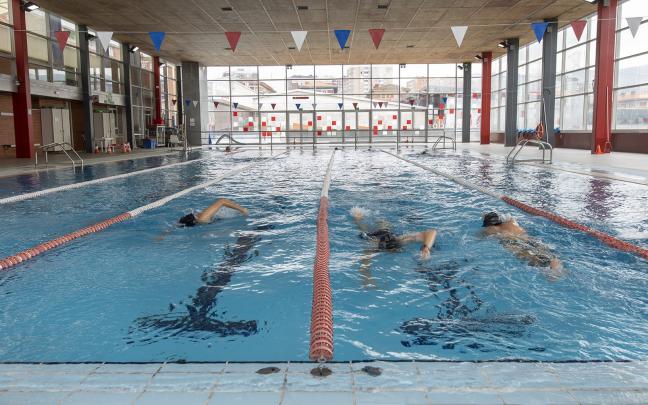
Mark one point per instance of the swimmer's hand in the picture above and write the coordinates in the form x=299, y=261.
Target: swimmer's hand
x=357, y=213
x=425, y=252
x=245, y=212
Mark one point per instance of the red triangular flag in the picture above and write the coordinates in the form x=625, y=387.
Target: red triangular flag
x=216, y=103
x=174, y=101
x=233, y=38
x=62, y=38
x=376, y=36
x=579, y=27
x=273, y=105
x=380, y=104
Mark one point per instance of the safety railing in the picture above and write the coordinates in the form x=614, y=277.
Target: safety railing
x=59, y=147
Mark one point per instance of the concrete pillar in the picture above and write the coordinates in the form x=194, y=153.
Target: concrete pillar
x=85, y=88
x=604, y=80
x=194, y=88
x=549, y=50
x=467, y=96
x=22, y=106
x=128, y=93
x=512, y=57
x=487, y=61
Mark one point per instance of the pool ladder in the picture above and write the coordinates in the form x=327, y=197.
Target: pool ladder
x=58, y=147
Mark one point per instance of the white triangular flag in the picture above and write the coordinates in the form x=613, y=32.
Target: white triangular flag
x=299, y=37
x=195, y=103
x=459, y=32
x=634, y=23
x=104, y=38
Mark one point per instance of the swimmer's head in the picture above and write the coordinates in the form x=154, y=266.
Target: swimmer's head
x=389, y=242
x=359, y=212
x=494, y=219
x=228, y=149
x=188, y=220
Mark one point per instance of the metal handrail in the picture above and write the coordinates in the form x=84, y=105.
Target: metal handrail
x=544, y=146
x=444, y=137
x=49, y=148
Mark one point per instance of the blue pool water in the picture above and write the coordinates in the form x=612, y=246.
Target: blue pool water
x=133, y=292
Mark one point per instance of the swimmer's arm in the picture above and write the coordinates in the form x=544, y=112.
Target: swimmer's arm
x=427, y=239
x=207, y=215
x=162, y=236
x=365, y=268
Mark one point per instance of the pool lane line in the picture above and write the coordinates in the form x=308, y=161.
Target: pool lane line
x=602, y=236
x=40, y=193
x=37, y=250
x=321, y=328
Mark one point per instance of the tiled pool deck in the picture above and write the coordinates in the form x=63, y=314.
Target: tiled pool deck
x=411, y=383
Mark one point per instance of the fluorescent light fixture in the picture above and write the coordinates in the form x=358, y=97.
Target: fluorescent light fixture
x=133, y=49
x=459, y=67
x=30, y=6
x=591, y=1
x=479, y=57
x=503, y=44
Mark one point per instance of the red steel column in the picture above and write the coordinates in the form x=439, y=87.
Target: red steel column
x=22, y=106
x=604, y=80
x=157, y=93
x=486, y=97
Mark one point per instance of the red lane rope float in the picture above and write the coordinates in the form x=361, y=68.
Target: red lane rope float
x=20, y=257
x=603, y=237
x=321, y=343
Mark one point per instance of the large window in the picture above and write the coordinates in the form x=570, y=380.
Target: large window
x=106, y=69
x=575, y=78
x=169, y=93
x=6, y=39
x=46, y=60
x=631, y=68
x=390, y=100
x=498, y=94
x=142, y=93
x=529, y=85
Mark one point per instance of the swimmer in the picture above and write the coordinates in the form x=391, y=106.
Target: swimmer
x=383, y=239
x=228, y=149
x=207, y=216
x=515, y=239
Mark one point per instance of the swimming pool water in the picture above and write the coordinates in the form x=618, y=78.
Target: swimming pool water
x=137, y=291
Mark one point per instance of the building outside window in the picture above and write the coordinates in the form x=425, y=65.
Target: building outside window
x=168, y=93
x=498, y=94
x=142, y=94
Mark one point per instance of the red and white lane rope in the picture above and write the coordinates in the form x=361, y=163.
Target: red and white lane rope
x=30, y=253
x=321, y=330
x=602, y=236
x=40, y=193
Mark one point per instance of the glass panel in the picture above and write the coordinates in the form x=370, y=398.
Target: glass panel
x=217, y=72
x=575, y=58
x=522, y=59
x=243, y=72
x=384, y=86
x=272, y=72
x=448, y=85
x=357, y=71
x=629, y=46
x=301, y=71
x=535, y=71
x=35, y=21
x=5, y=38
x=574, y=83
x=445, y=70
x=272, y=87
x=244, y=87
x=37, y=48
x=414, y=71
x=384, y=71
x=633, y=71
x=631, y=108
x=5, y=16
x=535, y=51
x=573, y=113
x=328, y=71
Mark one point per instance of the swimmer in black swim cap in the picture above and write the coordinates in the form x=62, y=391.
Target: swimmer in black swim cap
x=515, y=239
x=207, y=216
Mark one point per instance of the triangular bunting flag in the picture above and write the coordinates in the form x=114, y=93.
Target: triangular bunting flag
x=104, y=37
x=299, y=37
x=374, y=104
x=376, y=36
x=157, y=38
x=355, y=105
x=340, y=105
x=273, y=105
x=386, y=104
x=216, y=103
x=634, y=23
x=174, y=101
x=62, y=38
x=539, y=28
x=260, y=106
x=209, y=140
x=445, y=100
x=412, y=102
x=187, y=102
x=579, y=26
x=195, y=103
x=314, y=105
x=235, y=105
x=380, y=104
x=298, y=106
x=459, y=33
x=233, y=39
x=342, y=37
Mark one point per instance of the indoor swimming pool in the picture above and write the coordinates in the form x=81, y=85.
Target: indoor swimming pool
x=240, y=289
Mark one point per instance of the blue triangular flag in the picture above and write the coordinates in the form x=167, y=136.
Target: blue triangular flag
x=235, y=105
x=340, y=105
x=342, y=37
x=210, y=141
x=157, y=38
x=187, y=102
x=445, y=100
x=298, y=106
x=539, y=28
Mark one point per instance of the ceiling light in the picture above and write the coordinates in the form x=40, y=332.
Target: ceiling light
x=459, y=67
x=503, y=44
x=383, y=6
x=292, y=48
x=302, y=7
x=226, y=8
x=133, y=49
x=479, y=57
x=410, y=46
x=591, y=1
x=30, y=6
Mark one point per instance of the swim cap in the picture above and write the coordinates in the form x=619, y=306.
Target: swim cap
x=188, y=220
x=492, y=219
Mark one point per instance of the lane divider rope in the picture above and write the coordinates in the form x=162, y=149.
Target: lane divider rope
x=30, y=253
x=602, y=236
x=40, y=193
x=321, y=330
